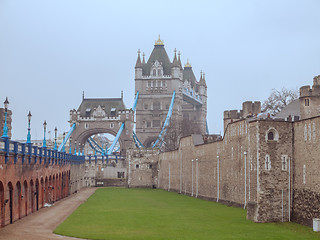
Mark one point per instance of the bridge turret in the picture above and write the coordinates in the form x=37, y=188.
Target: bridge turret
x=138, y=67
x=175, y=69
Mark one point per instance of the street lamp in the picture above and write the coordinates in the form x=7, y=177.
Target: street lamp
x=55, y=138
x=29, y=134
x=70, y=151
x=5, y=127
x=63, y=142
x=44, y=134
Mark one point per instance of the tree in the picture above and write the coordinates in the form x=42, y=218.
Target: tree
x=278, y=99
x=175, y=130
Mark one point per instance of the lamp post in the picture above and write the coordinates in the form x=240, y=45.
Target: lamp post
x=63, y=142
x=55, y=138
x=29, y=134
x=5, y=127
x=44, y=134
x=70, y=151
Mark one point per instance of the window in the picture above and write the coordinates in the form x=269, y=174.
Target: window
x=167, y=106
x=270, y=136
x=145, y=106
x=150, y=165
x=267, y=163
x=156, y=123
x=159, y=72
x=163, y=83
x=111, y=125
x=306, y=102
x=137, y=165
x=154, y=72
x=284, y=164
x=156, y=106
x=86, y=125
x=148, y=124
x=149, y=84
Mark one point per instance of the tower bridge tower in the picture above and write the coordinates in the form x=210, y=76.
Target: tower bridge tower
x=156, y=80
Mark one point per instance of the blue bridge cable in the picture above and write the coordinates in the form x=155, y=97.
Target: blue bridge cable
x=95, y=143
x=166, y=123
x=67, y=137
x=137, y=141
x=116, y=139
x=122, y=127
x=92, y=146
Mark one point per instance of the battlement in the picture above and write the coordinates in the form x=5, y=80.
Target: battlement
x=232, y=114
x=307, y=91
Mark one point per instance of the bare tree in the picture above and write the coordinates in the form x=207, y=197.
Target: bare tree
x=278, y=99
x=175, y=130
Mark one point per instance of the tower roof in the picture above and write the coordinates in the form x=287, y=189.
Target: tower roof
x=188, y=74
x=203, y=80
x=175, y=62
x=158, y=53
x=138, y=63
x=89, y=104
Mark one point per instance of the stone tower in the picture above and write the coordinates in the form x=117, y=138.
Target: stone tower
x=310, y=99
x=156, y=80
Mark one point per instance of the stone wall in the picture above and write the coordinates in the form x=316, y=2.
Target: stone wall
x=306, y=187
x=142, y=168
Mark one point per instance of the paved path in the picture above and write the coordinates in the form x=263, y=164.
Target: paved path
x=40, y=225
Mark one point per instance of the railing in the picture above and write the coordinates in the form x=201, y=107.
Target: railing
x=33, y=154
x=106, y=157
x=192, y=94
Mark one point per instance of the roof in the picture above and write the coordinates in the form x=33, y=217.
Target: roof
x=292, y=109
x=189, y=75
x=106, y=103
x=158, y=53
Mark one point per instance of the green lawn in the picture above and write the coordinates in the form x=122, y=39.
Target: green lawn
x=118, y=213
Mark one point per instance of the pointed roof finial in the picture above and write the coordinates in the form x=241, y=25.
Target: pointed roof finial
x=138, y=63
x=82, y=95
x=159, y=42
x=187, y=64
x=179, y=60
x=121, y=94
x=175, y=62
x=200, y=75
x=143, y=61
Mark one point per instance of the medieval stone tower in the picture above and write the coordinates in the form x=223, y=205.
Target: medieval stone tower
x=156, y=80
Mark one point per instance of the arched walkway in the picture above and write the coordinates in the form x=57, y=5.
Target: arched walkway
x=10, y=188
x=17, y=199
x=2, y=213
x=25, y=197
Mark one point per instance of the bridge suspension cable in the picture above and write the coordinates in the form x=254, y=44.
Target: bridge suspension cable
x=67, y=137
x=166, y=123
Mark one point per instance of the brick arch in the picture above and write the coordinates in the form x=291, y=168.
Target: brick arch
x=17, y=199
x=2, y=212
x=10, y=201
x=56, y=190
x=52, y=191
x=31, y=198
x=37, y=192
x=25, y=197
x=42, y=191
x=46, y=190
x=60, y=186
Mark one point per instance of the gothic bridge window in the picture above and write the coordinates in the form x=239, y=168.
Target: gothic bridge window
x=267, y=163
x=272, y=135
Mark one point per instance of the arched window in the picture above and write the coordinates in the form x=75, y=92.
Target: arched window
x=159, y=72
x=270, y=136
x=154, y=72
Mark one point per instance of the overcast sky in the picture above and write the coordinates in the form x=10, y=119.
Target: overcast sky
x=50, y=51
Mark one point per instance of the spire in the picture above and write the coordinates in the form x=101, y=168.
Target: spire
x=187, y=65
x=203, y=80
x=143, y=61
x=159, y=42
x=121, y=94
x=200, y=76
x=175, y=62
x=179, y=60
x=138, y=63
x=82, y=95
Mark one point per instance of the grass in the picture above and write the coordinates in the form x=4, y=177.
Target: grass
x=118, y=213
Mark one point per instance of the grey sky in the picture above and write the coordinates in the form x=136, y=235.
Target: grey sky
x=52, y=50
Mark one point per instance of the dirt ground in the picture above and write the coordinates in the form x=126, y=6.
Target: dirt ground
x=40, y=225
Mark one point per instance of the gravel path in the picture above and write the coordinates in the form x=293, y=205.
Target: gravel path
x=40, y=225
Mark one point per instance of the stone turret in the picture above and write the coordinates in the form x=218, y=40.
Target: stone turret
x=310, y=99
x=175, y=69
x=138, y=67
